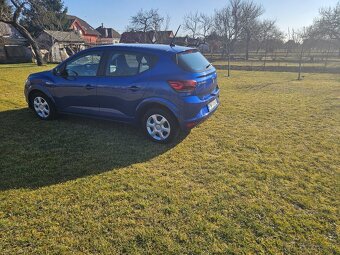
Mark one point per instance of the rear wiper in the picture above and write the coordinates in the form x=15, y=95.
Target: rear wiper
x=208, y=66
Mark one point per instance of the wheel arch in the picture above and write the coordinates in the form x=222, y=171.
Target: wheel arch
x=163, y=104
x=35, y=91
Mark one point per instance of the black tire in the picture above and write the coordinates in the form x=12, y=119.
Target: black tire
x=170, y=124
x=47, y=110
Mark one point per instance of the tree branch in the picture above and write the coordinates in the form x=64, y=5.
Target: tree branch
x=18, y=11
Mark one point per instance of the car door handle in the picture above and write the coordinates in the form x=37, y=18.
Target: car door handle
x=88, y=86
x=134, y=88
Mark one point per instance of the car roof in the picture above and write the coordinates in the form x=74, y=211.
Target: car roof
x=146, y=47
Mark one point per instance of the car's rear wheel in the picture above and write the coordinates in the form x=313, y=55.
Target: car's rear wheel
x=160, y=125
x=43, y=106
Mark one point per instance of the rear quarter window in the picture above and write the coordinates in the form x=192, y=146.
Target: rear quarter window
x=192, y=61
x=129, y=63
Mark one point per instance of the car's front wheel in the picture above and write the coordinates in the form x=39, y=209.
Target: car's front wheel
x=160, y=125
x=42, y=106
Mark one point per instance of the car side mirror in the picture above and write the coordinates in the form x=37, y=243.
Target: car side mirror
x=60, y=71
x=56, y=71
x=70, y=73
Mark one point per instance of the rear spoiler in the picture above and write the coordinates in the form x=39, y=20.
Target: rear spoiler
x=192, y=50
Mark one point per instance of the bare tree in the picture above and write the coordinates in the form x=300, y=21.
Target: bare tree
x=156, y=21
x=228, y=26
x=166, y=22
x=10, y=13
x=146, y=21
x=290, y=44
x=268, y=33
x=250, y=13
x=328, y=24
x=192, y=23
x=206, y=25
x=234, y=18
x=300, y=38
x=224, y=28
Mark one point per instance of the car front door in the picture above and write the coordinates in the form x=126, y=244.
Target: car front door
x=75, y=89
x=122, y=86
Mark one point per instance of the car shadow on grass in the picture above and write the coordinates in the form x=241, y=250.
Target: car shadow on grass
x=35, y=153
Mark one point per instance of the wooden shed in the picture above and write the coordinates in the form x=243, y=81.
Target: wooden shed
x=59, y=45
x=13, y=46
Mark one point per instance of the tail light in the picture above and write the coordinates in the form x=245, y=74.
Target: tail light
x=183, y=86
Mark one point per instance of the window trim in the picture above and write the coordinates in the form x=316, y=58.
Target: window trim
x=108, y=56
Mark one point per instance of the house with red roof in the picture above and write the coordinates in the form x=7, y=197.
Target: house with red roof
x=88, y=33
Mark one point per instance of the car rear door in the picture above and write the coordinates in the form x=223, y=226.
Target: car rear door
x=75, y=89
x=123, y=85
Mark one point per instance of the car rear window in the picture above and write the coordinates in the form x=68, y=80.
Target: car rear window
x=192, y=61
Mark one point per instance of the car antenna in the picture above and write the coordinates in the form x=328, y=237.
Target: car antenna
x=173, y=38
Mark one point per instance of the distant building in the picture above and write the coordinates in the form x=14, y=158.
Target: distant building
x=198, y=43
x=187, y=41
x=58, y=45
x=107, y=35
x=163, y=37
x=13, y=46
x=88, y=33
x=160, y=37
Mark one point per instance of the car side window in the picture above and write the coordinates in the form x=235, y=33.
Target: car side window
x=128, y=64
x=85, y=65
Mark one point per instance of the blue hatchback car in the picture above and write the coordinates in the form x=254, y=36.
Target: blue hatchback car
x=163, y=88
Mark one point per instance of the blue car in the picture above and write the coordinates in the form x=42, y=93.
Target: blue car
x=163, y=88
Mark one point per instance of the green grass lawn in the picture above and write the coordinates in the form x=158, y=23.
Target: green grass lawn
x=261, y=176
x=256, y=63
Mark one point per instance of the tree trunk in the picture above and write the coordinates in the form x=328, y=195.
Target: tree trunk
x=228, y=59
x=23, y=31
x=223, y=51
x=265, y=56
x=247, y=46
x=327, y=55
x=300, y=62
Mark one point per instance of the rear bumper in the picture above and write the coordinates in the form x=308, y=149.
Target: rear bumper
x=200, y=110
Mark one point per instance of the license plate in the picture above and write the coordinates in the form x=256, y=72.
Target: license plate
x=212, y=105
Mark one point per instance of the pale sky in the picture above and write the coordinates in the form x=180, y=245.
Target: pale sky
x=116, y=14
